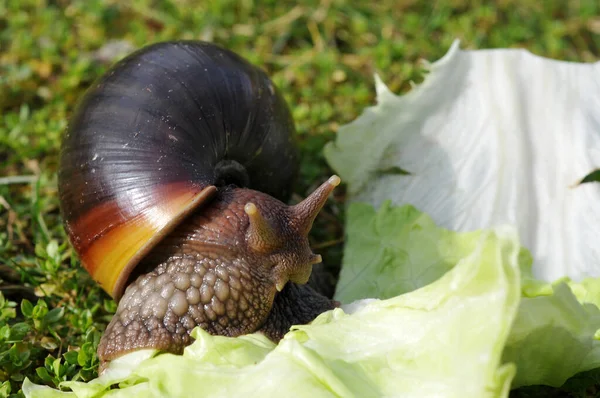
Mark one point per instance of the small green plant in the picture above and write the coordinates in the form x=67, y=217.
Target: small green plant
x=81, y=364
x=34, y=341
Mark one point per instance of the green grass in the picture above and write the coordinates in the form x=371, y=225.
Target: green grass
x=322, y=54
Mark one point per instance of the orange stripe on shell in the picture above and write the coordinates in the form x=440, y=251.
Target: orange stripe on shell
x=112, y=245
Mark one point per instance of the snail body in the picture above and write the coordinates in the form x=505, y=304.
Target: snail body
x=173, y=175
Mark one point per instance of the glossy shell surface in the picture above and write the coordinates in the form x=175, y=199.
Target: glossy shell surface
x=153, y=137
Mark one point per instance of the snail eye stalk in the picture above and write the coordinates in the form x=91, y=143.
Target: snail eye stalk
x=261, y=236
x=306, y=211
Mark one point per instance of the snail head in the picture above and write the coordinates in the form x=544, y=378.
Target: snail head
x=278, y=234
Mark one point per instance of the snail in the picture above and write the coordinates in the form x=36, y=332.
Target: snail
x=173, y=176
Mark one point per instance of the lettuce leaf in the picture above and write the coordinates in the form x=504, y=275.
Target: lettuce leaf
x=397, y=249
x=553, y=338
x=557, y=330
x=491, y=137
x=444, y=339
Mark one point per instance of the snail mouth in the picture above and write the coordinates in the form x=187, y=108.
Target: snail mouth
x=302, y=273
x=299, y=274
x=296, y=269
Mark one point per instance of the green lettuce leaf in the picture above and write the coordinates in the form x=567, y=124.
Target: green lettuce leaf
x=473, y=147
x=553, y=338
x=444, y=339
x=556, y=331
x=398, y=249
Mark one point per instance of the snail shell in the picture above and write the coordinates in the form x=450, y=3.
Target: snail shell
x=155, y=138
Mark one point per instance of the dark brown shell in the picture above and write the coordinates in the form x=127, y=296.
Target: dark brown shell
x=151, y=140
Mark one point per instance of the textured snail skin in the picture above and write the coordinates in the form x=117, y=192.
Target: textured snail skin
x=211, y=272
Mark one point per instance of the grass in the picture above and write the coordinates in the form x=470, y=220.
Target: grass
x=322, y=54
